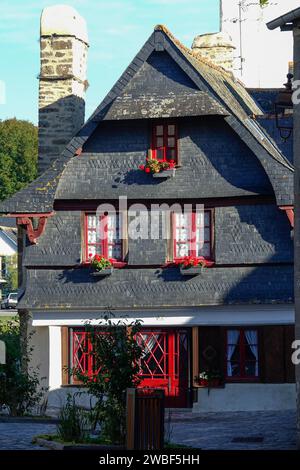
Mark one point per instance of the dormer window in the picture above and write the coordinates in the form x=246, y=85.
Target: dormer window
x=103, y=237
x=164, y=142
x=192, y=235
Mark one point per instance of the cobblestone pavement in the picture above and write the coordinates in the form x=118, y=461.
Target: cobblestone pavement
x=18, y=436
x=266, y=430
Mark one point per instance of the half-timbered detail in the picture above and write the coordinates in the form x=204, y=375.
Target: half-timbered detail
x=230, y=328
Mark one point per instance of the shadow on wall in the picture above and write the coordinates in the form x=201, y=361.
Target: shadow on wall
x=275, y=238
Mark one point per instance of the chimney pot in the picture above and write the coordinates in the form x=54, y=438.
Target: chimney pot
x=217, y=48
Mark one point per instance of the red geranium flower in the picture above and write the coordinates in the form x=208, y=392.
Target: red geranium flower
x=142, y=167
x=147, y=170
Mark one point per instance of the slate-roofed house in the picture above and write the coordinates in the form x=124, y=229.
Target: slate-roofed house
x=236, y=317
x=8, y=247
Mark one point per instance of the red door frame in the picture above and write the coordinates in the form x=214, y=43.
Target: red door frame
x=173, y=380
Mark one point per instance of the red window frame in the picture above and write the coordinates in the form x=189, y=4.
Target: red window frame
x=242, y=343
x=192, y=241
x=102, y=245
x=165, y=135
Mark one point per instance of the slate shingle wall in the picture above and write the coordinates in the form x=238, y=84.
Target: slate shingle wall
x=157, y=288
x=243, y=234
x=215, y=163
x=252, y=234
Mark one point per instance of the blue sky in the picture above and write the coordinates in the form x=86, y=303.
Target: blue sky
x=117, y=30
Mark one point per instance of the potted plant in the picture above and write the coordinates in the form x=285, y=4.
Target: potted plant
x=191, y=265
x=101, y=266
x=159, y=169
x=210, y=379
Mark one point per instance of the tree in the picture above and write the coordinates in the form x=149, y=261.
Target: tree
x=11, y=263
x=263, y=3
x=116, y=357
x=18, y=155
x=20, y=391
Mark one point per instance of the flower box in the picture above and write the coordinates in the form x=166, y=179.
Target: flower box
x=165, y=173
x=103, y=272
x=192, y=271
x=213, y=383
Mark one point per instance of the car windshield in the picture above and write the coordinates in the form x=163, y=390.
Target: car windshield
x=14, y=296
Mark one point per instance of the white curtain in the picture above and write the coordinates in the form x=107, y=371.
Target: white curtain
x=251, y=337
x=232, y=341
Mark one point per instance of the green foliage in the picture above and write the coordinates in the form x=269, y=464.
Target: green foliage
x=11, y=273
x=18, y=155
x=264, y=3
x=115, y=356
x=74, y=422
x=99, y=262
x=19, y=390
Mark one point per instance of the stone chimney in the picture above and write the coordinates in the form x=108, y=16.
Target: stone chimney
x=62, y=80
x=217, y=48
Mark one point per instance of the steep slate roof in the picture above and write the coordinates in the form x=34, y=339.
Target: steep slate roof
x=218, y=85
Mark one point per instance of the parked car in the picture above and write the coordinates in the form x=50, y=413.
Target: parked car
x=10, y=301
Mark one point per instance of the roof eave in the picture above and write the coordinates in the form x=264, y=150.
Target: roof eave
x=284, y=20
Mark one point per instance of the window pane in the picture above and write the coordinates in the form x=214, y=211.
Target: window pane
x=159, y=130
x=171, y=142
x=199, y=219
x=159, y=154
x=251, y=336
x=182, y=250
x=159, y=142
x=171, y=154
x=249, y=353
x=182, y=220
x=92, y=235
x=235, y=369
x=207, y=234
x=207, y=218
x=171, y=129
x=181, y=234
x=91, y=221
x=203, y=250
x=92, y=250
x=250, y=369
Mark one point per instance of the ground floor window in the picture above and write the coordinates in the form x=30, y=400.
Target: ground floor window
x=242, y=352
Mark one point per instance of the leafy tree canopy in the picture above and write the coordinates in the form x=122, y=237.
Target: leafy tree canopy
x=18, y=155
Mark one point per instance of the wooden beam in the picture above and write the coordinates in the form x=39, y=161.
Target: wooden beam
x=195, y=355
x=64, y=355
x=289, y=210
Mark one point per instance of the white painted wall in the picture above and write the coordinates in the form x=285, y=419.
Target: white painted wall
x=55, y=366
x=247, y=397
x=7, y=246
x=266, y=53
x=221, y=315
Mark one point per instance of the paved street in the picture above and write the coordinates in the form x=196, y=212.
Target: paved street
x=248, y=430
x=18, y=436
x=261, y=430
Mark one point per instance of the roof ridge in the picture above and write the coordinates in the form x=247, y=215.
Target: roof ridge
x=198, y=57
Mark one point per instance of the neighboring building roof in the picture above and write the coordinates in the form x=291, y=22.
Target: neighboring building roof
x=217, y=85
x=265, y=97
x=286, y=19
x=7, y=222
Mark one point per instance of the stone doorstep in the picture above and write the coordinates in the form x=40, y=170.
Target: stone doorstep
x=59, y=446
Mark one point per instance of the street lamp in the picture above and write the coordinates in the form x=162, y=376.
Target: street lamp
x=284, y=109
